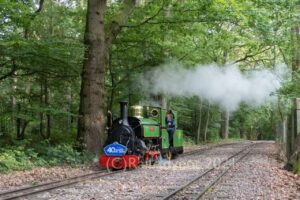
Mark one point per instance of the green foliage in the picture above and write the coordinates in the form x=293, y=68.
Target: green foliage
x=22, y=157
x=213, y=135
x=296, y=167
x=16, y=159
x=188, y=141
x=42, y=54
x=292, y=88
x=255, y=123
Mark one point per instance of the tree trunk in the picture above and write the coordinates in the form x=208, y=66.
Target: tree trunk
x=112, y=80
x=242, y=133
x=69, y=106
x=129, y=87
x=91, y=122
x=207, y=122
x=294, y=135
x=48, y=116
x=44, y=102
x=42, y=113
x=224, y=124
x=18, y=124
x=199, y=123
x=296, y=56
x=15, y=121
x=225, y=114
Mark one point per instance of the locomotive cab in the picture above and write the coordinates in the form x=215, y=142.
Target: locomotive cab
x=157, y=115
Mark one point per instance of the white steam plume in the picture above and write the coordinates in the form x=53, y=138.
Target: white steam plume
x=226, y=86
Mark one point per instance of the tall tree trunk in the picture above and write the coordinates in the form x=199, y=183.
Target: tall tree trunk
x=91, y=121
x=44, y=101
x=69, y=106
x=24, y=126
x=199, y=123
x=225, y=114
x=48, y=116
x=224, y=124
x=129, y=87
x=242, y=133
x=296, y=56
x=19, y=124
x=42, y=113
x=166, y=37
x=15, y=121
x=112, y=80
x=207, y=122
x=294, y=136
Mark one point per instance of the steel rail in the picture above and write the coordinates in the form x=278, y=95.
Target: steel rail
x=219, y=177
x=203, y=150
x=26, y=191
x=183, y=187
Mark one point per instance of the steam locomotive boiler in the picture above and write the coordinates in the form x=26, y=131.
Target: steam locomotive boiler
x=139, y=138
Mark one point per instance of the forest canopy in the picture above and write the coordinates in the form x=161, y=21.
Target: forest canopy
x=47, y=71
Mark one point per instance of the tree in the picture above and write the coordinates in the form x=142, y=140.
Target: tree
x=97, y=40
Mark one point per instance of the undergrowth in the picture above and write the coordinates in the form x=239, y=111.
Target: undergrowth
x=25, y=156
x=297, y=167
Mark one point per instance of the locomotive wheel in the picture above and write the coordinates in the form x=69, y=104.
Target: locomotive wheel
x=180, y=152
x=154, y=160
x=117, y=162
x=168, y=155
x=151, y=161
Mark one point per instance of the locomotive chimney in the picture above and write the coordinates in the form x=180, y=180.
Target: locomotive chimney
x=124, y=112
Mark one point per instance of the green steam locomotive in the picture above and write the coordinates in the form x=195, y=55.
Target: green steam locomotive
x=140, y=136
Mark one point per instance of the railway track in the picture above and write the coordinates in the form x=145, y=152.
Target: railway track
x=44, y=187
x=30, y=190
x=203, y=150
x=197, y=187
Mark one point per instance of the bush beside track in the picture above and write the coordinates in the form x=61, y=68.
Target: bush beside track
x=24, y=157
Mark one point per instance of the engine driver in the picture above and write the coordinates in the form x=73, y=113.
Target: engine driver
x=170, y=125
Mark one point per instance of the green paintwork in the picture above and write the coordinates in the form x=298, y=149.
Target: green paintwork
x=151, y=126
x=145, y=121
x=165, y=139
x=178, y=138
x=151, y=131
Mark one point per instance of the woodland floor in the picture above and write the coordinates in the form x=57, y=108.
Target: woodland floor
x=39, y=175
x=258, y=176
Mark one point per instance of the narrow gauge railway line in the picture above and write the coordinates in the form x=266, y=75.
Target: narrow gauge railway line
x=30, y=190
x=197, y=187
x=203, y=150
x=43, y=187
